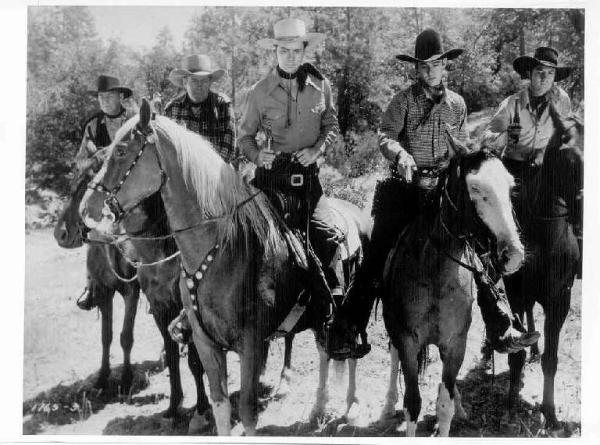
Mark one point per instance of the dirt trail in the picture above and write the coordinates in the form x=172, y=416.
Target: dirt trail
x=62, y=353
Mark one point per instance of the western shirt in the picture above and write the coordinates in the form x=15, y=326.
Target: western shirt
x=535, y=131
x=313, y=118
x=414, y=123
x=213, y=118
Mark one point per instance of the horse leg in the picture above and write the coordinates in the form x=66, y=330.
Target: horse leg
x=162, y=319
x=286, y=372
x=318, y=409
x=351, y=399
x=104, y=297
x=452, y=356
x=556, y=313
x=200, y=422
x=408, y=351
x=391, y=397
x=250, y=364
x=516, y=362
x=214, y=360
x=534, y=351
x=130, y=296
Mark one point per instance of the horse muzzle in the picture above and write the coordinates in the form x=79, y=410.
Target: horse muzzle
x=510, y=256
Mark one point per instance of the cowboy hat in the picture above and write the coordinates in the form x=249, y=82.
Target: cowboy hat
x=428, y=47
x=109, y=83
x=543, y=56
x=290, y=31
x=197, y=65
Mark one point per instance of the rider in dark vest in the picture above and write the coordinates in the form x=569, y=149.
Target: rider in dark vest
x=116, y=107
x=413, y=140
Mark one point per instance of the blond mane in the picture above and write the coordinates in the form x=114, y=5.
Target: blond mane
x=219, y=189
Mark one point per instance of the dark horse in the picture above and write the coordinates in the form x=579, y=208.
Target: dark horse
x=549, y=204
x=239, y=279
x=108, y=268
x=429, y=276
x=108, y=273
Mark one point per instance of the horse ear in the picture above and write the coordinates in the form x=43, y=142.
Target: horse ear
x=145, y=114
x=456, y=147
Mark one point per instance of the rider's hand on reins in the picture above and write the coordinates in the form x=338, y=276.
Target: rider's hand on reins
x=307, y=156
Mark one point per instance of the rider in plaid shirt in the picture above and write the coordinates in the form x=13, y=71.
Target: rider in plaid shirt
x=200, y=110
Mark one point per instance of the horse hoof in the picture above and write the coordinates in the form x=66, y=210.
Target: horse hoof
x=199, y=423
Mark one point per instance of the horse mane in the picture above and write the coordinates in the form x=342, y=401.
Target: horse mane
x=220, y=191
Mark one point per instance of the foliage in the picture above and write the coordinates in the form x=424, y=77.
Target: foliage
x=65, y=55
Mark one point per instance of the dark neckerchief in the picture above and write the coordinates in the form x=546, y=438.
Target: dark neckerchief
x=285, y=74
x=114, y=116
x=301, y=74
x=539, y=103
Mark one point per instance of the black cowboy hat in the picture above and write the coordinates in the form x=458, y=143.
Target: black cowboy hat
x=428, y=47
x=110, y=83
x=543, y=56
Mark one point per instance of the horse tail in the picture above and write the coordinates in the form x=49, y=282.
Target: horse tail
x=423, y=360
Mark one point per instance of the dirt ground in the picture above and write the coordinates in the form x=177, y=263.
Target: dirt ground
x=62, y=355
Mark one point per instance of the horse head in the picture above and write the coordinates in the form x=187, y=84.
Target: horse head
x=483, y=184
x=131, y=173
x=70, y=231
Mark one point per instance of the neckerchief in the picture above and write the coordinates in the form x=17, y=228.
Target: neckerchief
x=301, y=75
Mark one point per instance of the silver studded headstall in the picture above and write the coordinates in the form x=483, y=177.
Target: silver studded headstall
x=192, y=280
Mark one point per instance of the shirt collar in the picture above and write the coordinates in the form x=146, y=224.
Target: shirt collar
x=273, y=81
x=525, y=98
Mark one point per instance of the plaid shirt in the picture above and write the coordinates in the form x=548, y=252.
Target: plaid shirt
x=414, y=123
x=212, y=119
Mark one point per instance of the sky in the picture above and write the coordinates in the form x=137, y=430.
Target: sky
x=137, y=26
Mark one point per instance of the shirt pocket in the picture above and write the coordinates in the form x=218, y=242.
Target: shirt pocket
x=311, y=112
x=273, y=117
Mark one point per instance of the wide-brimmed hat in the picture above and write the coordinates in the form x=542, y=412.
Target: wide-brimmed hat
x=197, y=65
x=290, y=31
x=543, y=56
x=109, y=83
x=428, y=47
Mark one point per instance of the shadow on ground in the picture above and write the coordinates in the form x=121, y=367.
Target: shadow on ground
x=65, y=404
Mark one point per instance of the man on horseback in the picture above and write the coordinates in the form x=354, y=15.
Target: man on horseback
x=201, y=110
x=522, y=126
x=293, y=106
x=116, y=107
x=413, y=140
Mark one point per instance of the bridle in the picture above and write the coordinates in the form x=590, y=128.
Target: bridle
x=112, y=209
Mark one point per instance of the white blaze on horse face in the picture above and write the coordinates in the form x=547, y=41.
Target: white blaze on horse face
x=489, y=189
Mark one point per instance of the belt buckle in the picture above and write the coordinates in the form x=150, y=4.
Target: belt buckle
x=297, y=180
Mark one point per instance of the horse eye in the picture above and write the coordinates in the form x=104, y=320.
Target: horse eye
x=120, y=152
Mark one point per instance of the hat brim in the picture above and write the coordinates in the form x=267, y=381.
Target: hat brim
x=176, y=76
x=524, y=64
x=450, y=54
x=127, y=92
x=311, y=38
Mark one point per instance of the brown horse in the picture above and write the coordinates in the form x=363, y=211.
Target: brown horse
x=548, y=206
x=108, y=266
x=109, y=273
x=239, y=278
x=429, y=276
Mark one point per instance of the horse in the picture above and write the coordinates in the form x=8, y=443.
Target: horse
x=239, y=278
x=549, y=205
x=111, y=270
x=428, y=280
x=108, y=273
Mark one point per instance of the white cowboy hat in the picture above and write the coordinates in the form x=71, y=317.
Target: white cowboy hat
x=290, y=31
x=197, y=65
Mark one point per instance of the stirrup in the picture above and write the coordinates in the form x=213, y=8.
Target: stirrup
x=180, y=329
x=85, y=301
x=509, y=344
